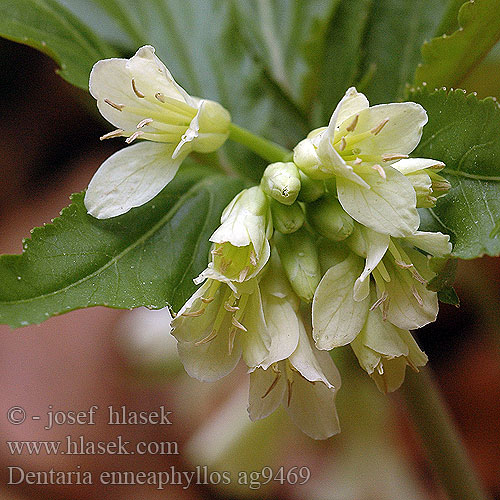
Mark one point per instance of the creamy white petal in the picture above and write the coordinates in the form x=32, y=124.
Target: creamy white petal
x=267, y=388
x=129, y=178
x=437, y=244
x=415, y=355
x=405, y=310
x=400, y=135
x=210, y=361
x=377, y=245
x=410, y=165
x=336, y=317
x=389, y=207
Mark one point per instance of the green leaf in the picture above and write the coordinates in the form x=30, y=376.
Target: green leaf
x=463, y=132
x=54, y=30
x=147, y=257
x=448, y=59
x=449, y=296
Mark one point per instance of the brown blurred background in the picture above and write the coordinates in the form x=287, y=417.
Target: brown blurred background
x=50, y=149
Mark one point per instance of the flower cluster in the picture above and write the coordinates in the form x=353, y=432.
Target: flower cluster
x=324, y=253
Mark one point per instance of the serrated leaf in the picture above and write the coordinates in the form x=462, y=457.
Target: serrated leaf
x=449, y=296
x=147, y=257
x=54, y=30
x=464, y=133
x=448, y=59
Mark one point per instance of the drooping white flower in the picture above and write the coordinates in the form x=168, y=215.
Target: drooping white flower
x=217, y=326
x=241, y=246
x=400, y=275
x=140, y=97
x=305, y=383
x=358, y=147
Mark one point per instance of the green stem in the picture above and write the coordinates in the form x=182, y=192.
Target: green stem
x=440, y=437
x=268, y=150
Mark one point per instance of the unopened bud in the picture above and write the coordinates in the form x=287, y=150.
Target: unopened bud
x=287, y=218
x=299, y=258
x=281, y=181
x=440, y=186
x=213, y=127
x=310, y=189
x=305, y=156
x=329, y=219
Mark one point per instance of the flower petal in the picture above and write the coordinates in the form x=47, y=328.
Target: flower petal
x=436, y=244
x=336, y=317
x=389, y=207
x=129, y=178
x=410, y=305
x=212, y=360
x=266, y=392
x=410, y=165
x=377, y=245
x=400, y=135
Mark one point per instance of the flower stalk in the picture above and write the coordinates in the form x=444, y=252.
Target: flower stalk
x=268, y=150
x=440, y=437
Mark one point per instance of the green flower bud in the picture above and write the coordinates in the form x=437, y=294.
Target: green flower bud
x=299, y=258
x=281, y=181
x=440, y=186
x=310, y=189
x=329, y=219
x=213, y=123
x=305, y=156
x=287, y=218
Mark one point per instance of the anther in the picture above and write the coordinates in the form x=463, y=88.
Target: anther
x=253, y=258
x=134, y=136
x=418, y=276
x=194, y=314
x=207, y=300
x=417, y=296
x=376, y=130
x=138, y=93
x=244, y=273
x=380, y=171
x=403, y=265
x=394, y=157
x=385, y=308
x=237, y=324
x=207, y=339
x=229, y=308
x=343, y=144
x=352, y=125
x=290, y=383
x=160, y=97
x=144, y=122
x=230, y=345
x=115, y=133
x=119, y=107
x=358, y=161
x=216, y=251
x=379, y=301
x=273, y=384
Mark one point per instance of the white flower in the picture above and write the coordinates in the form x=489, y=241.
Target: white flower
x=140, y=97
x=217, y=326
x=358, y=147
x=384, y=351
x=400, y=274
x=305, y=383
x=241, y=246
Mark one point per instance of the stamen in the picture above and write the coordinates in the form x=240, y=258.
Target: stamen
x=207, y=339
x=119, y=107
x=216, y=251
x=134, y=136
x=232, y=335
x=343, y=144
x=138, y=93
x=273, y=384
x=244, y=273
x=376, y=130
x=207, y=300
x=358, y=161
x=290, y=383
x=193, y=314
x=380, y=368
x=237, y=324
x=115, y=133
x=418, y=276
x=403, y=265
x=229, y=308
x=385, y=308
x=417, y=296
x=353, y=124
x=394, y=157
x=160, y=97
x=144, y=122
x=379, y=301
x=380, y=171
x=253, y=258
